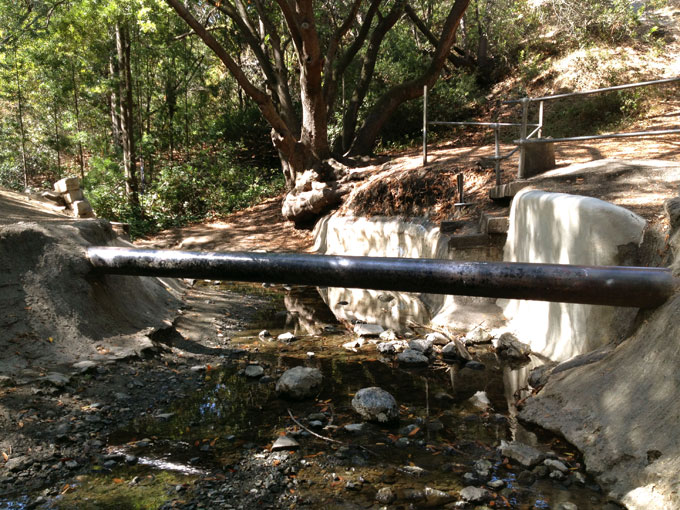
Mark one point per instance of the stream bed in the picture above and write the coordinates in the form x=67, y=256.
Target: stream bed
x=217, y=446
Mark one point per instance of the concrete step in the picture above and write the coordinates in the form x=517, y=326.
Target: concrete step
x=494, y=223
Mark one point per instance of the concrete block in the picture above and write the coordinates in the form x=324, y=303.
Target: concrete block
x=82, y=209
x=538, y=158
x=53, y=197
x=67, y=184
x=567, y=229
x=73, y=196
x=508, y=190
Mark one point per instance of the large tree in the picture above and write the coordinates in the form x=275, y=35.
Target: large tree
x=319, y=42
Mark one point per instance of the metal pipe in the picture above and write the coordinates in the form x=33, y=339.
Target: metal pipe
x=595, y=91
x=597, y=137
x=521, y=173
x=618, y=286
x=425, y=125
x=488, y=124
x=497, y=154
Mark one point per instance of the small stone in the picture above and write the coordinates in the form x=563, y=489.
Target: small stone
x=385, y=496
x=526, y=455
x=285, y=443
x=578, y=478
x=71, y=464
x=254, y=371
x=131, y=459
x=558, y=475
x=414, y=470
x=391, y=347
x=420, y=344
x=388, y=336
x=353, y=486
x=475, y=494
x=164, y=416
x=508, y=346
x=412, y=358
x=437, y=338
x=57, y=379
x=480, y=400
x=353, y=345
x=470, y=478
x=435, y=426
x=402, y=442
x=84, y=366
x=412, y=495
x=567, y=505
x=355, y=428
x=316, y=424
x=198, y=368
x=375, y=404
x=435, y=497
x=317, y=416
x=452, y=351
x=6, y=381
x=368, y=329
x=474, y=365
x=483, y=468
x=526, y=478
x=556, y=465
x=478, y=335
x=17, y=463
x=496, y=484
x=286, y=337
x=109, y=464
x=541, y=471
x=264, y=334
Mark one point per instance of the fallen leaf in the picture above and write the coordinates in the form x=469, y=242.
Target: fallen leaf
x=414, y=432
x=117, y=480
x=5, y=456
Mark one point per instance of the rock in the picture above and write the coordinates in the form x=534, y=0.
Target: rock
x=375, y=404
x=567, y=505
x=264, y=334
x=421, y=344
x=67, y=184
x=131, y=459
x=368, y=330
x=299, y=382
x=437, y=338
x=385, y=298
x=391, y=347
x=556, y=465
x=496, y=484
x=254, y=371
x=6, y=381
x=435, y=426
x=478, y=335
x=541, y=471
x=317, y=416
x=388, y=335
x=456, y=351
x=434, y=497
x=538, y=377
x=198, y=368
x=286, y=337
x=412, y=358
x=526, y=478
x=353, y=485
x=558, y=475
x=57, y=379
x=526, y=455
x=285, y=443
x=475, y=494
x=483, y=468
x=354, y=344
x=84, y=366
x=17, y=463
x=414, y=470
x=480, y=400
x=82, y=209
x=508, y=346
x=385, y=496
x=71, y=464
x=356, y=428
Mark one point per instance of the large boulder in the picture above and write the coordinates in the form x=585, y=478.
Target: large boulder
x=310, y=198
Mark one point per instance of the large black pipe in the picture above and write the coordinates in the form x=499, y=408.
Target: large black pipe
x=641, y=287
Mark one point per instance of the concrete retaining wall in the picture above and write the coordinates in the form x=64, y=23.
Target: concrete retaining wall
x=569, y=229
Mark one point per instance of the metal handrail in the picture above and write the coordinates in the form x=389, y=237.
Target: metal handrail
x=594, y=91
x=598, y=137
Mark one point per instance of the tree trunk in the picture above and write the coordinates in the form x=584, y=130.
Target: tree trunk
x=114, y=100
x=81, y=158
x=22, y=130
x=127, y=122
x=57, y=145
x=389, y=102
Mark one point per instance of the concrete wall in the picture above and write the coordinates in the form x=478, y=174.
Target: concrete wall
x=569, y=229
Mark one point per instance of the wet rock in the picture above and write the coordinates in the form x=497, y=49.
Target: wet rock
x=353, y=485
x=285, y=443
x=254, y=371
x=435, y=426
x=286, y=337
x=299, y=382
x=556, y=465
x=356, y=428
x=474, y=365
x=385, y=496
x=496, y=484
x=412, y=358
x=6, y=381
x=198, y=368
x=455, y=351
x=437, y=338
x=509, y=347
x=385, y=298
x=57, y=379
x=388, y=335
x=164, y=416
x=539, y=376
x=526, y=478
x=480, y=400
x=578, y=478
x=435, y=497
x=316, y=424
x=131, y=459
x=421, y=344
x=402, y=442
x=475, y=494
x=414, y=470
x=541, y=471
x=567, y=505
x=317, y=416
x=71, y=464
x=264, y=334
x=17, y=463
x=483, y=468
x=84, y=366
x=526, y=455
x=354, y=345
x=471, y=479
x=391, y=347
x=375, y=404
x=478, y=335
x=368, y=330
x=412, y=495
x=558, y=475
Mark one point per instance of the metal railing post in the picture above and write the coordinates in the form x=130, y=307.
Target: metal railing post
x=522, y=137
x=540, y=119
x=425, y=125
x=497, y=154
